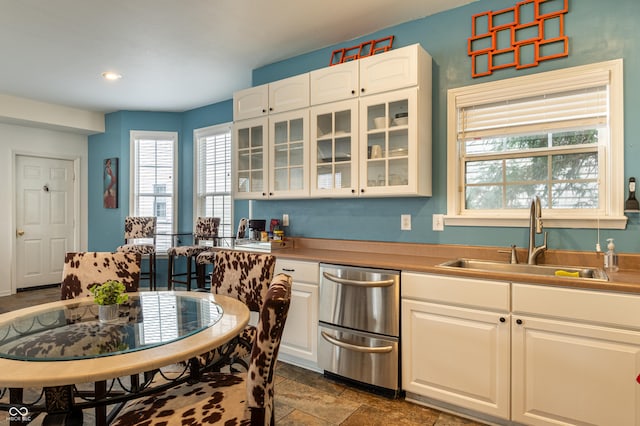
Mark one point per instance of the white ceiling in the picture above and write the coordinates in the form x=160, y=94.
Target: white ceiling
x=174, y=55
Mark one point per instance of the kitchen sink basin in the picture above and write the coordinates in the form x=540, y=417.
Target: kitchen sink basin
x=521, y=268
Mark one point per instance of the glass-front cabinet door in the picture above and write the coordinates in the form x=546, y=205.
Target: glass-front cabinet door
x=289, y=159
x=334, y=149
x=251, y=158
x=388, y=143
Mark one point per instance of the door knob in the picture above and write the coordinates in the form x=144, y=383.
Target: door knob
x=19, y=232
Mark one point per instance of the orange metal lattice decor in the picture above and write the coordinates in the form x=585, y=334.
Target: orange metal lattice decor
x=361, y=50
x=520, y=36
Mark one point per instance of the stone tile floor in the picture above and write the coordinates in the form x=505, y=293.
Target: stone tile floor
x=303, y=398
x=308, y=398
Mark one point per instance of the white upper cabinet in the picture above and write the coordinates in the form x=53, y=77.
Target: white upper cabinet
x=396, y=69
x=251, y=159
x=395, y=144
x=405, y=67
x=289, y=154
x=334, y=149
x=358, y=129
x=251, y=103
x=280, y=96
x=335, y=83
x=289, y=94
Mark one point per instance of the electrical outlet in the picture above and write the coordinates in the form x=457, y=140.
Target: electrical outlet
x=405, y=222
x=285, y=220
x=438, y=222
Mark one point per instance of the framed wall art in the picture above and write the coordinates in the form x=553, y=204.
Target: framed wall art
x=110, y=183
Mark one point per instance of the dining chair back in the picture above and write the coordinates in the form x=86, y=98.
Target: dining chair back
x=246, y=277
x=242, y=398
x=206, y=230
x=138, y=228
x=83, y=270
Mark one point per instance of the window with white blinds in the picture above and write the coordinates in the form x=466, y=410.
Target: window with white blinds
x=154, y=181
x=213, y=175
x=556, y=135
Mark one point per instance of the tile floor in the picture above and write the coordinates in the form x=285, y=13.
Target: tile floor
x=302, y=397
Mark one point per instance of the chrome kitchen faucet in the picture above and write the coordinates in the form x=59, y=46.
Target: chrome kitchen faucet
x=535, y=227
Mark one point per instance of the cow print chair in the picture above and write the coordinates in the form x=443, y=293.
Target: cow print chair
x=140, y=237
x=229, y=399
x=81, y=271
x=246, y=277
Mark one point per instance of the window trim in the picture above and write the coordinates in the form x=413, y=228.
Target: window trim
x=612, y=216
x=197, y=134
x=141, y=134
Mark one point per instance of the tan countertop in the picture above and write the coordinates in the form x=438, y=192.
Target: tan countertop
x=427, y=257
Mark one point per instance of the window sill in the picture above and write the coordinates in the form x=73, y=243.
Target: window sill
x=616, y=222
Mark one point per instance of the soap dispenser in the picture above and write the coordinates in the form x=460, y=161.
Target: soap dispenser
x=610, y=257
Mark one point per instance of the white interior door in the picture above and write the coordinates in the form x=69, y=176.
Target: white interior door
x=44, y=219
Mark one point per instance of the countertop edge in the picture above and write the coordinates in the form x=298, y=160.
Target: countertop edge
x=424, y=259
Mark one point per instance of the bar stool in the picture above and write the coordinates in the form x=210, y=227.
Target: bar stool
x=135, y=229
x=206, y=230
x=202, y=260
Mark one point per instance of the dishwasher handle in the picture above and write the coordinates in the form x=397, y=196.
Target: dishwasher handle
x=358, y=283
x=356, y=348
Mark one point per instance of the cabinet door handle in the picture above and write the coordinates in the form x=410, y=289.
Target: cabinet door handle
x=288, y=270
x=264, y=110
x=358, y=283
x=353, y=92
x=519, y=321
x=362, y=90
x=362, y=190
x=356, y=348
x=503, y=319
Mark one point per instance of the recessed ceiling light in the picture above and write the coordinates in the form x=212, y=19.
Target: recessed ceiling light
x=110, y=75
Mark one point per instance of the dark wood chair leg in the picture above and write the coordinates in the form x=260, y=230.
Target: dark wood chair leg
x=170, y=273
x=152, y=271
x=201, y=275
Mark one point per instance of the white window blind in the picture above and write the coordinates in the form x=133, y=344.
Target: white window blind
x=213, y=175
x=153, y=181
x=552, y=111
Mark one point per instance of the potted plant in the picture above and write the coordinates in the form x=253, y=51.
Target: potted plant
x=108, y=296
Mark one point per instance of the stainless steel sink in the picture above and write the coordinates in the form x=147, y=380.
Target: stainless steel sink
x=521, y=268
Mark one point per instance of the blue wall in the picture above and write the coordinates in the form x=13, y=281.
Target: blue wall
x=598, y=31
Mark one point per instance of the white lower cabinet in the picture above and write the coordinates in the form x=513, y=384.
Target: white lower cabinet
x=576, y=357
x=299, y=343
x=455, y=341
x=561, y=357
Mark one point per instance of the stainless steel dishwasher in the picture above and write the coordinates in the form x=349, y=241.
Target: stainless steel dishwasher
x=359, y=324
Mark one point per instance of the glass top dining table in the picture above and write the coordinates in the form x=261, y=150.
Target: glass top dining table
x=61, y=343
x=73, y=331
x=58, y=345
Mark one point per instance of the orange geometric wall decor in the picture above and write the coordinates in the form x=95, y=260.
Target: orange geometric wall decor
x=361, y=50
x=519, y=36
